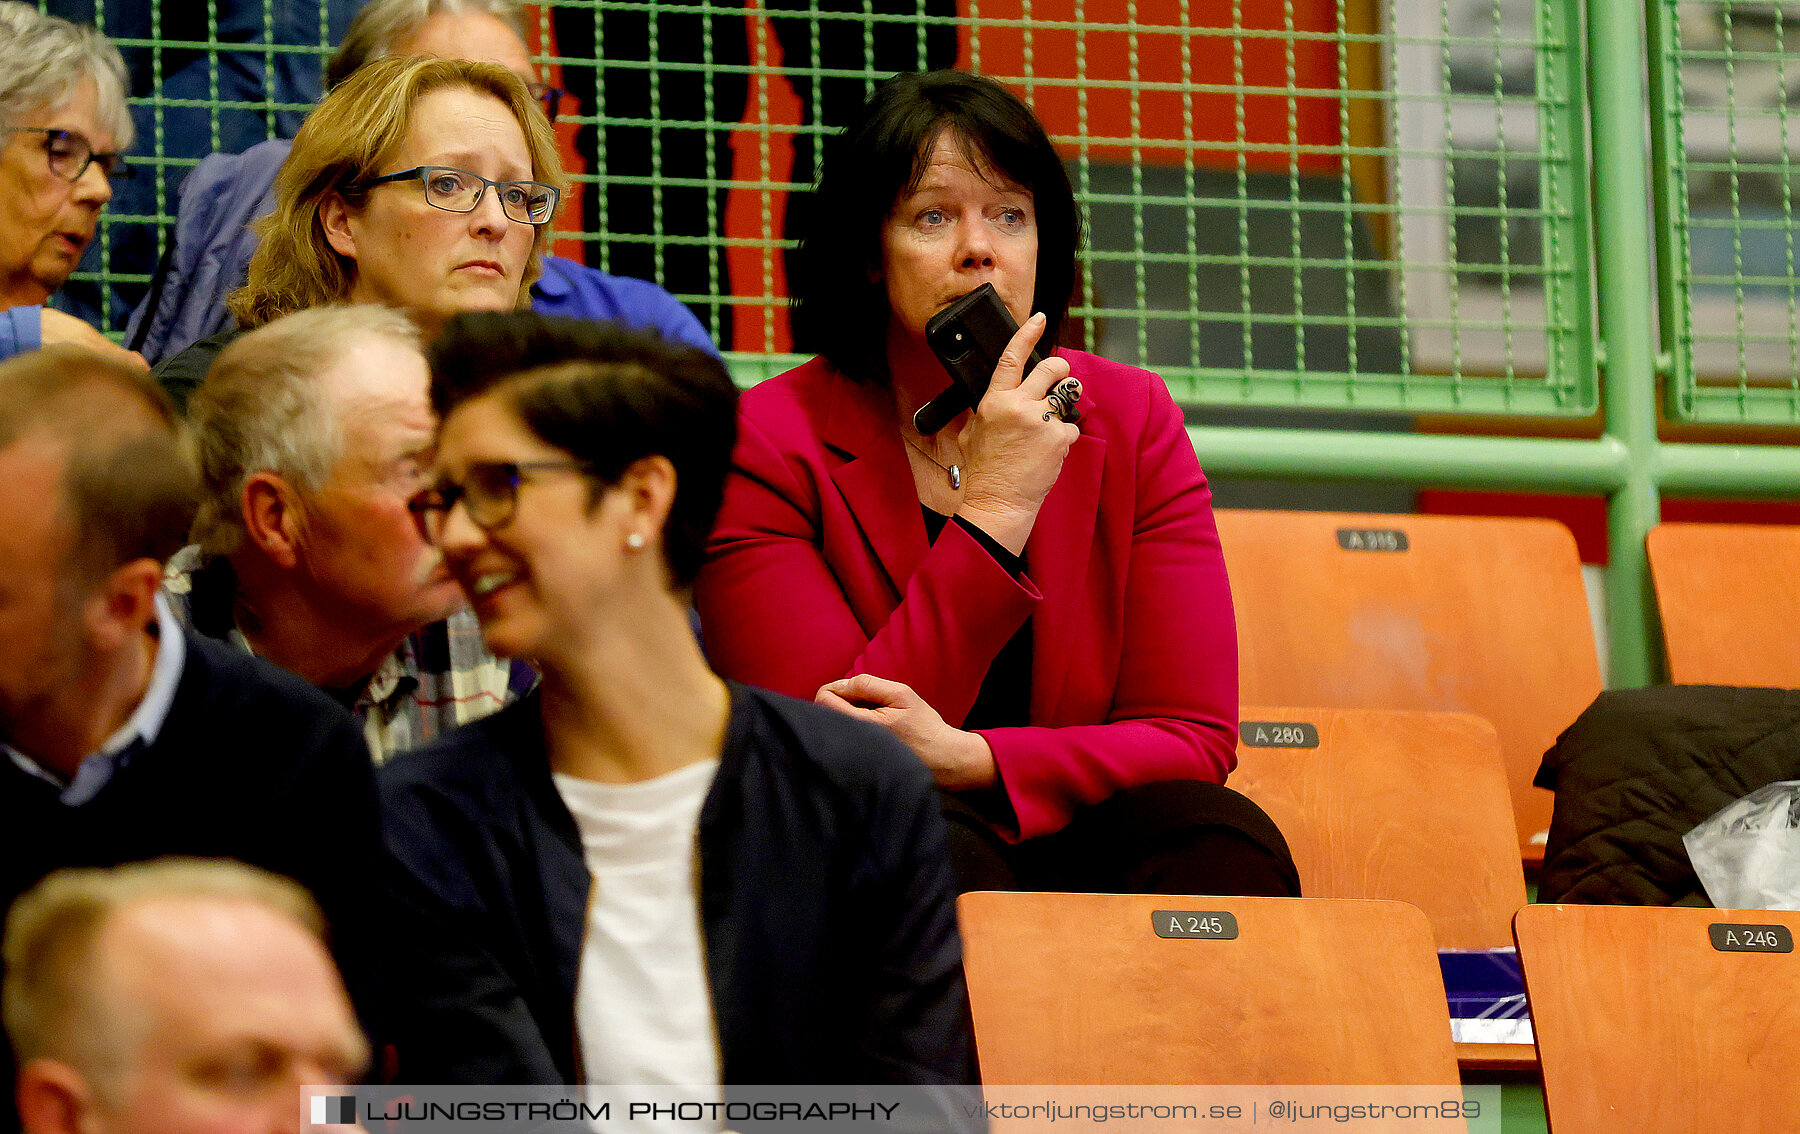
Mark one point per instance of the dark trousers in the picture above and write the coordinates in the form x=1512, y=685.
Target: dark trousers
x=1176, y=837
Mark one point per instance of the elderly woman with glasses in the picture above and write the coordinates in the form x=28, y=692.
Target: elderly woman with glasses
x=419, y=183
x=642, y=873
x=62, y=124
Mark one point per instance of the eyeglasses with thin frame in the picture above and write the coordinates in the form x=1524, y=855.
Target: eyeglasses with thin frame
x=459, y=191
x=70, y=154
x=551, y=97
x=488, y=492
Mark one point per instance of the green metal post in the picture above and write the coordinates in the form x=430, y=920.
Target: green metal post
x=1627, y=327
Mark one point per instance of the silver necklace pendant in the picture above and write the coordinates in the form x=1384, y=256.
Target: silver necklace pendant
x=955, y=472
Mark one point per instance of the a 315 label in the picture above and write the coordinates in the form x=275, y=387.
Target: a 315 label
x=1372, y=539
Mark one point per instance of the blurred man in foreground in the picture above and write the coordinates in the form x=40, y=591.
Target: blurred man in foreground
x=177, y=995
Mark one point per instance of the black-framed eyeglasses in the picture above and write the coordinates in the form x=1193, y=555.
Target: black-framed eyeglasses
x=459, y=191
x=551, y=97
x=70, y=154
x=488, y=492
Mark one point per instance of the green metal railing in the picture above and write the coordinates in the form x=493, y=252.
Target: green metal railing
x=1333, y=206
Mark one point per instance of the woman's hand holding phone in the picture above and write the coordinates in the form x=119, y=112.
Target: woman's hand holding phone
x=1011, y=454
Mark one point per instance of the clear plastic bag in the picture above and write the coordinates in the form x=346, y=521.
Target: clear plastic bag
x=1747, y=854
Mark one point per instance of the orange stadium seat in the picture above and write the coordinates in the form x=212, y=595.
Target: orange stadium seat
x=1393, y=803
x=1470, y=614
x=1664, y=1019
x=1401, y=804
x=1729, y=603
x=1081, y=988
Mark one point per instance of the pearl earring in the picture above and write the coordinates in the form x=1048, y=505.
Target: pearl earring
x=635, y=541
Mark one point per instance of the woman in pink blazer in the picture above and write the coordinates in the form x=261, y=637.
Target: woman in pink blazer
x=1033, y=597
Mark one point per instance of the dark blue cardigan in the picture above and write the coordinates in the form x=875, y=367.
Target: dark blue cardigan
x=827, y=906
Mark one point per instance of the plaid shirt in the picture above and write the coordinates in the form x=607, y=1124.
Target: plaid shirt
x=440, y=677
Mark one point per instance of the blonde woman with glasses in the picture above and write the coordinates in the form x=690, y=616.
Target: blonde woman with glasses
x=419, y=183
x=187, y=300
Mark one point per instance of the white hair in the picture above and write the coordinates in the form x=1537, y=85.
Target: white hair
x=383, y=25
x=259, y=410
x=45, y=59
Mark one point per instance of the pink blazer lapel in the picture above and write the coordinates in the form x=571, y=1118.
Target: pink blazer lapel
x=1056, y=558
x=876, y=480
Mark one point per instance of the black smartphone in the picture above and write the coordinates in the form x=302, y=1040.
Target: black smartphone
x=968, y=337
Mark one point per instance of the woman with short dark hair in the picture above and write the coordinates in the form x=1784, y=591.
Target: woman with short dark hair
x=1033, y=597
x=840, y=305
x=642, y=874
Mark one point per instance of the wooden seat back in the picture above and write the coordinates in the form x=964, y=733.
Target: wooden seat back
x=1645, y=1026
x=1080, y=988
x=1392, y=803
x=1467, y=614
x=1729, y=602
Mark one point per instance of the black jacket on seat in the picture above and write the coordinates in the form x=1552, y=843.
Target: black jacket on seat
x=1642, y=767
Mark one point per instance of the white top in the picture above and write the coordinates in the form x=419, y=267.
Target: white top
x=643, y=1011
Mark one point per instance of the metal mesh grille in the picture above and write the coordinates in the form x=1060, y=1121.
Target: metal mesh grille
x=1726, y=78
x=1329, y=203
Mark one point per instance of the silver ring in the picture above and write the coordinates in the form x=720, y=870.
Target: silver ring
x=1062, y=399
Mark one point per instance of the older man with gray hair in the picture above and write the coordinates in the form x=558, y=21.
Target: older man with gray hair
x=173, y=996
x=63, y=124
x=313, y=435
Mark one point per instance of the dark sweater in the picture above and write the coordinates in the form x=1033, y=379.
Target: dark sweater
x=182, y=372
x=252, y=763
